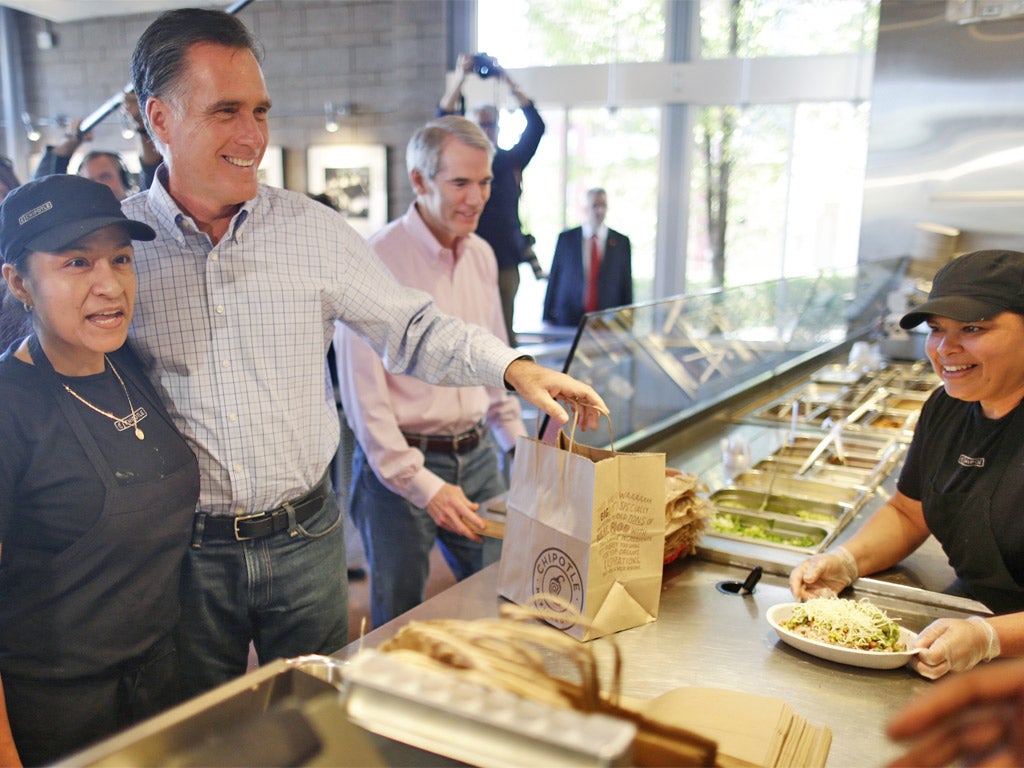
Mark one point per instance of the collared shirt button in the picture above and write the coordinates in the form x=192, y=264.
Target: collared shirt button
x=233, y=417
x=213, y=256
x=220, y=309
x=226, y=363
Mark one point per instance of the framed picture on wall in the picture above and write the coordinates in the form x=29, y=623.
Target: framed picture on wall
x=354, y=177
x=271, y=170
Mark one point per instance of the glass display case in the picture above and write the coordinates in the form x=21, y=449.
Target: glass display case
x=797, y=386
x=659, y=363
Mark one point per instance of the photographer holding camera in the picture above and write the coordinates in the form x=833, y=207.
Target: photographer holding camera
x=499, y=224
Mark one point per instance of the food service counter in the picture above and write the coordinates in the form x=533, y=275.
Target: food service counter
x=714, y=639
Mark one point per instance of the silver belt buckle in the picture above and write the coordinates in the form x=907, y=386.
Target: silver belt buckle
x=242, y=519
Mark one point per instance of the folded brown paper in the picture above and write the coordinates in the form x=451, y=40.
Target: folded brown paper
x=750, y=729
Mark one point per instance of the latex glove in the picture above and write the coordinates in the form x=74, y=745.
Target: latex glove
x=824, y=575
x=954, y=645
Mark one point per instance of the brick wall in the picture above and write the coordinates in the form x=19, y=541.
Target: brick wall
x=386, y=57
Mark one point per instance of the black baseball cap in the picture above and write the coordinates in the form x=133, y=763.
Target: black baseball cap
x=975, y=286
x=52, y=212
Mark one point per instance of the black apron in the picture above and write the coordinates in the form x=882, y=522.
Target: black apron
x=106, y=606
x=962, y=523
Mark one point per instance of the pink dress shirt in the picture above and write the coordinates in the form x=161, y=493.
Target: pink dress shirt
x=380, y=406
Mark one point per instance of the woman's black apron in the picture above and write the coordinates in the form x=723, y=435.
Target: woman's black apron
x=94, y=622
x=963, y=525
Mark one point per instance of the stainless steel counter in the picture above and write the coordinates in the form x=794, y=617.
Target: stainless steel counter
x=704, y=637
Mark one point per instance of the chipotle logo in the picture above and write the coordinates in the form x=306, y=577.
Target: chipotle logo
x=555, y=574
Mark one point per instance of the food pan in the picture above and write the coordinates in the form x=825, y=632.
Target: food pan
x=854, y=472
x=837, y=373
x=816, y=392
x=783, y=411
x=900, y=401
x=768, y=530
x=888, y=419
x=818, y=513
x=798, y=487
x=795, y=457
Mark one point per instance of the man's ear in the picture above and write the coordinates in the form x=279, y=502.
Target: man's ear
x=418, y=181
x=157, y=114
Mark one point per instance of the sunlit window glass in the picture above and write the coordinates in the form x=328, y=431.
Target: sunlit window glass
x=781, y=185
x=531, y=33
x=754, y=28
x=617, y=151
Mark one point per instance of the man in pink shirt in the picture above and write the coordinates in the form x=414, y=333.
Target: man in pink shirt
x=425, y=455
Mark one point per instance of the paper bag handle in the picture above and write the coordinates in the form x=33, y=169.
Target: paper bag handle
x=543, y=419
x=575, y=421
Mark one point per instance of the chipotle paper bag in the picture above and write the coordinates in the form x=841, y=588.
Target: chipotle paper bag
x=587, y=525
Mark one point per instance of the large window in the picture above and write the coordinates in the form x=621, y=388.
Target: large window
x=791, y=196
x=586, y=148
x=760, y=186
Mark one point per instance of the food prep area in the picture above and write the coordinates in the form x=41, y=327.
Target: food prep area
x=830, y=443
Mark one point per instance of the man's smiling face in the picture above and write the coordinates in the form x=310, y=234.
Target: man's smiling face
x=214, y=129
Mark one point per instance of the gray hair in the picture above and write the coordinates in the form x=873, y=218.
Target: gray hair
x=423, y=152
x=159, y=59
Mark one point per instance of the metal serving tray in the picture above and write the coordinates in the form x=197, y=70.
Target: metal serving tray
x=807, y=490
x=784, y=508
x=769, y=530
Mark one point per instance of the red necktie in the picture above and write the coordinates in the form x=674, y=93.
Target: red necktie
x=590, y=302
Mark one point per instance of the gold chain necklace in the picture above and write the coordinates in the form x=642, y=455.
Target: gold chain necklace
x=128, y=422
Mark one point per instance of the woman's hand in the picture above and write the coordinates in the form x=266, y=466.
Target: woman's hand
x=824, y=575
x=954, y=645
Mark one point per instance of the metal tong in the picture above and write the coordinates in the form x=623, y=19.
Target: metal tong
x=833, y=436
x=867, y=405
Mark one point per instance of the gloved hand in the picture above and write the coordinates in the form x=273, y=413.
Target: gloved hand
x=954, y=645
x=824, y=575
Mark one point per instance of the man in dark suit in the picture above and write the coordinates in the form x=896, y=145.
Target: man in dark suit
x=592, y=267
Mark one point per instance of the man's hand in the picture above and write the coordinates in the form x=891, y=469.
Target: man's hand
x=72, y=140
x=542, y=387
x=131, y=107
x=451, y=510
x=449, y=102
x=976, y=718
x=464, y=64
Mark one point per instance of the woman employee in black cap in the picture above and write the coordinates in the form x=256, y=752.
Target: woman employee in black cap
x=961, y=479
x=97, y=488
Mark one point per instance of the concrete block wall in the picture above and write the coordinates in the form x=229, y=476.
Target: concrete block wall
x=384, y=57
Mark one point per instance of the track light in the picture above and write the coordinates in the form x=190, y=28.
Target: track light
x=331, y=126
x=31, y=131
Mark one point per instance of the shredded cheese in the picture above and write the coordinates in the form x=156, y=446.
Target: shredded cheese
x=847, y=623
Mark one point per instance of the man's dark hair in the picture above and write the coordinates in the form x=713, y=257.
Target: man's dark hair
x=159, y=57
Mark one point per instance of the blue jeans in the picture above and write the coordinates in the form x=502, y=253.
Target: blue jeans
x=287, y=593
x=398, y=536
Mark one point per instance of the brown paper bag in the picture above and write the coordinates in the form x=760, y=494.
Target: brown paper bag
x=586, y=525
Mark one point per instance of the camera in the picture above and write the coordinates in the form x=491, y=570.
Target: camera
x=485, y=65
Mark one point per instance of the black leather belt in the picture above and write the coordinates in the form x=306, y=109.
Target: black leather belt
x=245, y=527
x=460, y=443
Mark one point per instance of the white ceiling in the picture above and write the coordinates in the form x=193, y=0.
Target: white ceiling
x=76, y=10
